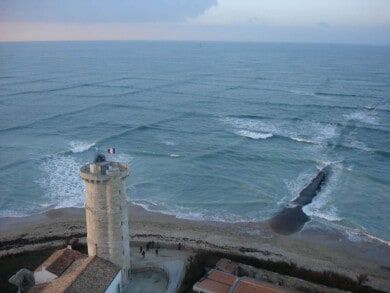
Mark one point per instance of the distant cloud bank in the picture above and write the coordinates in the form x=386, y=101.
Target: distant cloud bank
x=102, y=11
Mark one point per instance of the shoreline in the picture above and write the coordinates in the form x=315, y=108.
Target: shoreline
x=317, y=247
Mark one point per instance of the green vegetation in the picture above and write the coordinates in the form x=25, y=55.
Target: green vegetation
x=207, y=259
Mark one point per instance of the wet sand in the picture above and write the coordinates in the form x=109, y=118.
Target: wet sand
x=317, y=247
x=289, y=220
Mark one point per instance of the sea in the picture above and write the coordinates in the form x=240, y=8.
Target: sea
x=217, y=131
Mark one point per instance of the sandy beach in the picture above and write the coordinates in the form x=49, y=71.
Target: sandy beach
x=316, y=247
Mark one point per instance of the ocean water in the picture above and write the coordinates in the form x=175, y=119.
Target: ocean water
x=212, y=131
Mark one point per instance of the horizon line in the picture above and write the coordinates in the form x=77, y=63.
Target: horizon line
x=201, y=40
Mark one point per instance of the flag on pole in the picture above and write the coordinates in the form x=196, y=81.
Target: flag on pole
x=111, y=150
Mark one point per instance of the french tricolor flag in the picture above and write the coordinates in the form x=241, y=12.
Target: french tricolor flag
x=111, y=150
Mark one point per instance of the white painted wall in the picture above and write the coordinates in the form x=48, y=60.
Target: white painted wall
x=115, y=284
x=43, y=276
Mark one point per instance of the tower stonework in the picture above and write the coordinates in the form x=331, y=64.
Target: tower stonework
x=106, y=213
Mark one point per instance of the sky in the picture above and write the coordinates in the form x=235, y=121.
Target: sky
x=323, y=21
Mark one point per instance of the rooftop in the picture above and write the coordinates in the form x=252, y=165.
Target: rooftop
x=76, y=273
x=220, y=282
x=215, y=282
x=95, y=277
x=60, y=260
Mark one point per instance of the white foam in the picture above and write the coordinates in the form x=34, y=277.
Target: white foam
x=321, y=132
x=168, y=142
x=301, y=131
x=254, y=135
x=353, y=234
x=80, y=146
x=18, y=212
x=376, y=238
x=310, y=132
x=250, y=128
x=321, y=164
x=190, y=214
x=303, y=140
x=296, y=185
x=364, y=117
x=250, y=125
x=336, y=165
x=357, y=235
x=152, y=206
x=174, y=155
x=203, y=215
x=359, y=145
x=61, y=182
x=121, y=157
x=321, y=206
x=330, y=214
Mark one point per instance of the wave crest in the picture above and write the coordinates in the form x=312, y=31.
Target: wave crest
x=364, y=117
x=322, y=206
x=302, y=131
x=254, y=135
x=303, y=140
x=80, y=146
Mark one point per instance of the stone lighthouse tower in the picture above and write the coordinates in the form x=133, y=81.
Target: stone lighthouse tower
x=106, y=212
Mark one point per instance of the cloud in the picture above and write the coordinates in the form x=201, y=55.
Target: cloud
x=102, y=11
x=303, y=13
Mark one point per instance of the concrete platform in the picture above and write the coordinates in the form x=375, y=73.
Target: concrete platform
x=157, y=273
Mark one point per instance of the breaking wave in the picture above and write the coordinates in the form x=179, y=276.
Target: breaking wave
x=254, y=135
x=304, y=131
x=359, y=235
x=304, y=140
x=80, y=146
x=364, y=117
x=189, y=213
x=322, y=206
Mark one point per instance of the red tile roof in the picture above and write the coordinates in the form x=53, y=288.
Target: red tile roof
x=216, y=282
x=220, y=282
x=83, y=274
x=222, y=277
x=209, y=286
x=65, y=259
x=247, y=285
